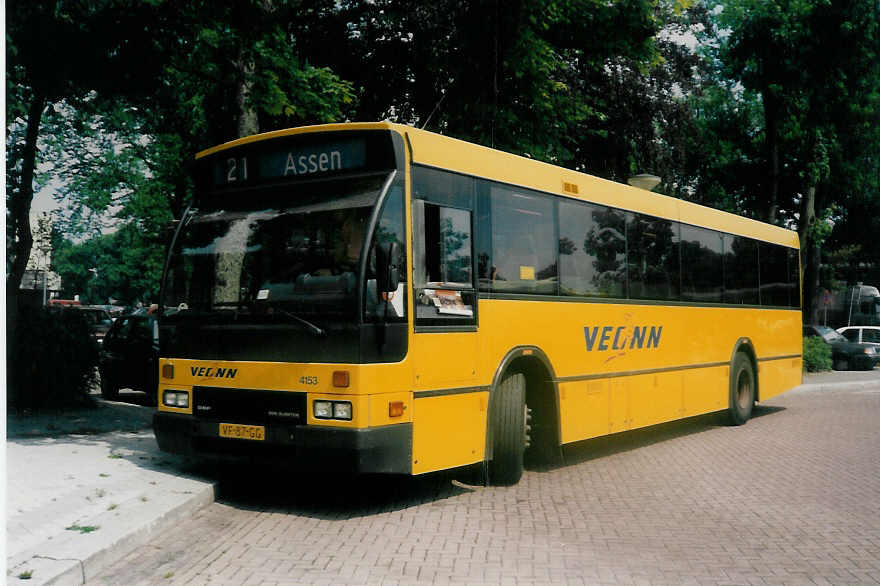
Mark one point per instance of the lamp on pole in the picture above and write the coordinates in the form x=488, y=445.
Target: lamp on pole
x=644, y=181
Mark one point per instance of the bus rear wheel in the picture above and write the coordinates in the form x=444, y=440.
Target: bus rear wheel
x=509, y=433
x=742, y=389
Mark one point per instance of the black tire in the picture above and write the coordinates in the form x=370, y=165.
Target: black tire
x=508, y=431
x=109, y=389
x=840, y=364
x=743, y=385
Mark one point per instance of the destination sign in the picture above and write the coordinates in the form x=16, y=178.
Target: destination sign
x=297, y=157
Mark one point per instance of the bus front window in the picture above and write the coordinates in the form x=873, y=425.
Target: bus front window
x=266, y=258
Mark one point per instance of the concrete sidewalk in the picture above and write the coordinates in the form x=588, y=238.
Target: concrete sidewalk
x=87, y=487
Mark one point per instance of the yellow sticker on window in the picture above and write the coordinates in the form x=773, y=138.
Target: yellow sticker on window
x=527, y=273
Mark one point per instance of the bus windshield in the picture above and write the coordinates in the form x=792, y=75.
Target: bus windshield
x=287, y=256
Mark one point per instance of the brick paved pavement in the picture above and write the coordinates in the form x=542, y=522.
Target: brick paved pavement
x=793, y=497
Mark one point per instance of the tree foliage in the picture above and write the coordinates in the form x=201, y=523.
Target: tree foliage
x=767, y=109
x=815, y=65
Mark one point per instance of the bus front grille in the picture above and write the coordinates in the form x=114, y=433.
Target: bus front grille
x=249, y=405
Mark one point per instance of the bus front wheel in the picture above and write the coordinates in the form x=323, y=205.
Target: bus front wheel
x=109, y=389
x=509, y=437
x=742, y=389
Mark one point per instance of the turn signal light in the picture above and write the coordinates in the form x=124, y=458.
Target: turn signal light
x=341, y=378
x=167, y=371
x=396, y=408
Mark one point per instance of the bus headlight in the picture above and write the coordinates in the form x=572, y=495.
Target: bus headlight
x=342, y=410
x=178, y=399
x=333, y=410
x=323, y=409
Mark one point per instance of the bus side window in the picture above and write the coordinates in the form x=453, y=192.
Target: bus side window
x=702, y=273
x=524, y=242
x=592, y=250
x=652, y=258
x=740, y=270
x=773, y=273
x=443, y=264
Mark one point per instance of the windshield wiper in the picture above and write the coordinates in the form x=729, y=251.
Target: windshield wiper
x=318, y=331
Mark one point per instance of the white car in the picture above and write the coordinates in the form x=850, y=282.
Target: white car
x=861, y=334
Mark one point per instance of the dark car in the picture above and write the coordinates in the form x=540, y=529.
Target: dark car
x=130, y=357
x=99, y=319
x=845, y=354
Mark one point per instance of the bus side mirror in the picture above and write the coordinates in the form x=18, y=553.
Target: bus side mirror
x=387, y=268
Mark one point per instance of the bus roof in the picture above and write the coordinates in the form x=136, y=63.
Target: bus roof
x=436, y=150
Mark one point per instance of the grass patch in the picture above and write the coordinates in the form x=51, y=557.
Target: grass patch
x=26, y=575
x=83, y=528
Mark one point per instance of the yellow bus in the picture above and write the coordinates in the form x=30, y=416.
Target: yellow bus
x=376, y=298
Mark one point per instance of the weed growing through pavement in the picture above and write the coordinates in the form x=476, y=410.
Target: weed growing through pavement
x=83, y=528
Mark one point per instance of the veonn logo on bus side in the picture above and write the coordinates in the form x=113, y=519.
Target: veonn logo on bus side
x=603, y=338
x=209, y=372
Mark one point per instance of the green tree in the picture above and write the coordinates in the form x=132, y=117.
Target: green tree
x=815, y=65
x=125, y=265
x=504, y=74
x=59, y=51
x=125, y=159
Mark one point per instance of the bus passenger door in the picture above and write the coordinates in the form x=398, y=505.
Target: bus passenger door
x=449, y=415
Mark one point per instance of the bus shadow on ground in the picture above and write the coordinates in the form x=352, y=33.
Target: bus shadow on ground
x=330, y=496
x=601, y=447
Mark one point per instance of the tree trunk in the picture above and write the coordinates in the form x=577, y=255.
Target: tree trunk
x=20, y=225
x=809, y=252
x=247, y=123
x=772, y=143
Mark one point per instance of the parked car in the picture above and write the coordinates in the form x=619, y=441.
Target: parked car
x=114, y=310
x=862, y=334
x=99, y=319
x=130, y=357
x=845, y=354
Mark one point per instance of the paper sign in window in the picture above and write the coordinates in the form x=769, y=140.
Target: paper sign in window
x=527, y=273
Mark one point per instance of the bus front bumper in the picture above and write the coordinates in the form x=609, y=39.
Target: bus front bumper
x=384, y=450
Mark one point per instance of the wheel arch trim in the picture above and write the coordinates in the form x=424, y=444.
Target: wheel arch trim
x=527, y=352
x=747, y=347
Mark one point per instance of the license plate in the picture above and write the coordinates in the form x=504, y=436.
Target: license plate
x=238, y=431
